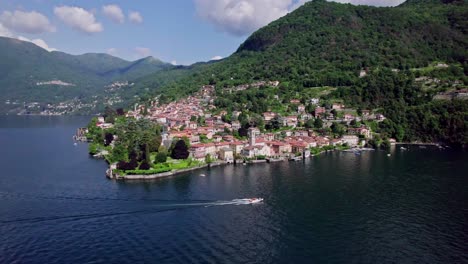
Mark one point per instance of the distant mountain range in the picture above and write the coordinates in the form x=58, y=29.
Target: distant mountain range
x=23, y=65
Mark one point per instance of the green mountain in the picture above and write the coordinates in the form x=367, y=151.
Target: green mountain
x=327, y=44
x=23, y=65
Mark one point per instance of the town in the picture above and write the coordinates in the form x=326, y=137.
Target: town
x=212, y=138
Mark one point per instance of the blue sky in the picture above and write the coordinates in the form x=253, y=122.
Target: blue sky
x=177, y=31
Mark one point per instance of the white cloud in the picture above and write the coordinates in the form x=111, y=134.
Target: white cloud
x=111, y=51
x=39, y=42
x=174, y=62
x=78, y=18
x=114, y=13
x=4, y=32
x=242, y=17
x=143, y=52
x=26, y=22
x=216, y=58
x=135, y=17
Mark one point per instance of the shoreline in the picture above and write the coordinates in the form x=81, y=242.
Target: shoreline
x=111, y=175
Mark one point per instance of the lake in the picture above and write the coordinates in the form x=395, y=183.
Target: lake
x=57, y=206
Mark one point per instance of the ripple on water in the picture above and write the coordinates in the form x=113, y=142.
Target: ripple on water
x=334, y=208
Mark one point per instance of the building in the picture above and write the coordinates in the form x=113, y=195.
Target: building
x=351, y=140
x=319, y=111
x=254, y=151
x=278, y=148
x=301, y=108
x=226, y=154
x=363, y=130
x=197, y=151
x=314, y=101
x=252, y=134
x=237, y=146
x=267, y=116
x=235, y=125
x=338, y=106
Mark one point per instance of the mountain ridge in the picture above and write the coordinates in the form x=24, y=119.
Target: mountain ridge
x=23, y=64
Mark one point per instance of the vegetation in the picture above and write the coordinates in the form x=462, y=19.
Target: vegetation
x=321, y=49
x=23, y=64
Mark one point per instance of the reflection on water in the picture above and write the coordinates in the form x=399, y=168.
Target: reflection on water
x=57, y=207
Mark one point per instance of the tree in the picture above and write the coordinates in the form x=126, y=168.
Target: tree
x=161, y=157
x=208, y=159
x=201, y=121
x=337, y=128
x=274, y=124
x=120, y=112
x=180, y=150
x=359, y=111
x=119, y=153
x=318, y=123
x=145, y=165
x=108, y=138
x=309, y=124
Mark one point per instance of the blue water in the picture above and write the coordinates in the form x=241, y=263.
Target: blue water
x=56, y=206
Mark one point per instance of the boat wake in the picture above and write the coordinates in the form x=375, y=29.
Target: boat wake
x=165, y=206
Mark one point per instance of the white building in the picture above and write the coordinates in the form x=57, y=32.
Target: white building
x=351, y=140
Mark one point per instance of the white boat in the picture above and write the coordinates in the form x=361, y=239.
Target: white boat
x=202, y=175
x=248, y=201
x=403, y=148
x=255, y=200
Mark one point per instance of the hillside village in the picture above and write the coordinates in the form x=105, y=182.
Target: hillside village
x=209, y=134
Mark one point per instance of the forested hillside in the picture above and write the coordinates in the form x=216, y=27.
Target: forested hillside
x=370, y=56
x=23, y=65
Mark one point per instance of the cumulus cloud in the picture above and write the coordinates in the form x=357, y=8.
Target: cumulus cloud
x=174, y=62
x=78, y=18
x=135, y=17
x=5, y=32
x=39, y=42
x=114, y=13
x=242, y=17
x=216, y=58
x=26, y=22
x=143, y=52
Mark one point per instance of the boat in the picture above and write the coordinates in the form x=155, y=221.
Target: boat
x=403, y=148
x=202, y=175
x=255, y=200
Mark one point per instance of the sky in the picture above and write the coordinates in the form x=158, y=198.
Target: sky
x=176, y=31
